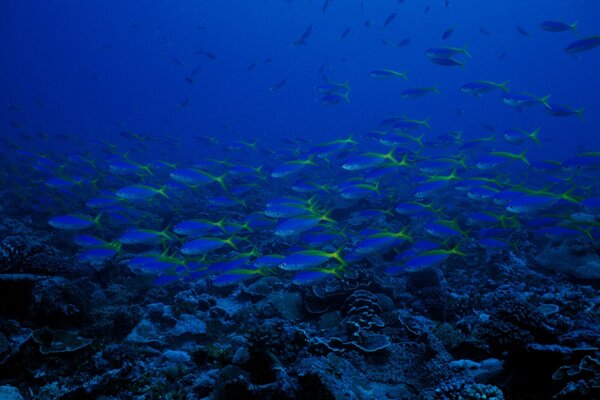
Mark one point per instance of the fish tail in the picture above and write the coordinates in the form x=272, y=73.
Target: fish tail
x=162, y=192
x=504, y=86
x=221, y=181
x=465, y=52
x=579, y=113
x=96, y=220
x=403, y=75
x=229, y=241
x=533, y=135
x=522, y=157
x=574, y=26
x=426, y=122
x=435, y=90
x=544, y=101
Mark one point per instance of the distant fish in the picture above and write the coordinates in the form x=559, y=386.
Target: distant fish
x=325, y=6
x=402, y=43
x=305, y=35
x=427, y=9
x=251, y=67
x=387, y=73
x=447, y=62
x=389, y=19
x=558, y=26
x=278, y=85
x=418, y=92
x=185, y=103
x=522, y=31
x=484, y=31
x=448, y=32
x=368, y=23
x=345, y=33
x=581, y=45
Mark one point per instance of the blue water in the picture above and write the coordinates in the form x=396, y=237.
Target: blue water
x=207, y=88
x=91, y=63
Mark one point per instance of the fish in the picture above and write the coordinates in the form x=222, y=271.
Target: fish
x=478, y=88
x=387, y=73
x=144, y=236
x=194, y=177
x=522, y=31
x=194, y=227
x=447, y=62
x=389, y=19
x=560, y=110
x=583, y=45
x=140, y=192
x=558, y=26
x=446, y=52
x=448, y=32
x=304, y=37
x=518, y=136
x=413, y=93
x=519, y=100
x=299, y=224
x=345, y=33
x=277, y=85
x=307, y=259
x=206, y=244
x=74, y=222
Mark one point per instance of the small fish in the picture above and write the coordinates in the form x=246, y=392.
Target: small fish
x=305, y=35
x=205, y=245
x=387, y=73
x=299, y=224
x=140, y=192
x=197, y=226
x=448, y=32
x=345, y=33
x=447, y=62
x=581, y=45
x=74, y=222
x=478, y=88
x=529, y=204
x=520, y=100
x=522, y=31
x=446, y=52
x=144, y=236
x=518, y=136
x=389, y=19
x=559, y=110
x=418, y=92
x=558, y=26
x=307, y=259
x=484, y=31
x=278, y=85
x=98, y=254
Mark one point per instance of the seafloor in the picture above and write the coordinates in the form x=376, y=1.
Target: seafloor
x=519, y=325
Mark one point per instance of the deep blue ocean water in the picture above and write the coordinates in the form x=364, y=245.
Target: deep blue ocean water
x=270, y=122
